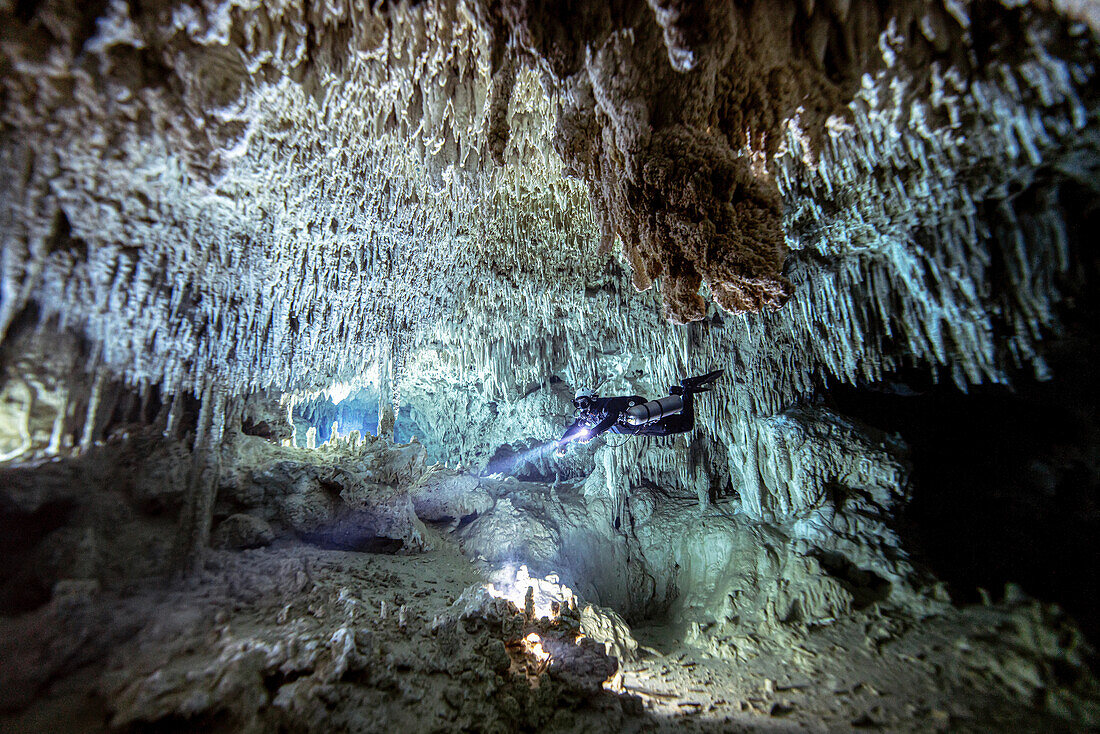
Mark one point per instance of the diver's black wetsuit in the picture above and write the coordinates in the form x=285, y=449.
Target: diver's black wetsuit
x=600, y=415
x=605, y=413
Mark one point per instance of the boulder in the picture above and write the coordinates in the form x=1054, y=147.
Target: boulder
x=443, y=495
x=238, y=532
x=308, y=509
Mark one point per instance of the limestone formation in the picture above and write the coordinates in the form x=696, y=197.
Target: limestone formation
x=238, y=532
x=295, y=297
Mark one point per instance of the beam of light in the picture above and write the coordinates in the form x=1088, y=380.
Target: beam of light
x=533, y=644
x=515, y=461
x=512, y=583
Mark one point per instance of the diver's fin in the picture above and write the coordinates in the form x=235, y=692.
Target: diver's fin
x=695, y=383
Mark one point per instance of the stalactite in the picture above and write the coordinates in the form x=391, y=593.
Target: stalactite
x=171, y=423
x=325, y=234
x=408, y=252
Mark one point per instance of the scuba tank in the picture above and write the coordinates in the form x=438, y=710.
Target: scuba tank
x=654, y=410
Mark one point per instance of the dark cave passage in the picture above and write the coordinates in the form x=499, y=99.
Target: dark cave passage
x=20, y=591
x=1005, y=482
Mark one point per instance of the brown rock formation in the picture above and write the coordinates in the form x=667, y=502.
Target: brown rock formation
x=670, y=111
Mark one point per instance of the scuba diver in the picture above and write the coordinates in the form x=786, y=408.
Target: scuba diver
x=633, y=415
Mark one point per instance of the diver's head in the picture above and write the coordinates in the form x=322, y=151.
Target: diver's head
x=584, y=398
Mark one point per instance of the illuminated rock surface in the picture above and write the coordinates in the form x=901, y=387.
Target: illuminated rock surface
x=238, y=238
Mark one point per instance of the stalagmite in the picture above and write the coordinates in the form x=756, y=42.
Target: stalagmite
x=57, y=430
x=194, y=524
x=87, y=433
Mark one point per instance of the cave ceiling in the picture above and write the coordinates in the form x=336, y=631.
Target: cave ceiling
x=277, y=194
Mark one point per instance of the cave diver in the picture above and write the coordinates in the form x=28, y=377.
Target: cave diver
x=633, y=415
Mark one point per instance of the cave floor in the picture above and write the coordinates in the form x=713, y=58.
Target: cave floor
x=295, y=638
x=870, y=673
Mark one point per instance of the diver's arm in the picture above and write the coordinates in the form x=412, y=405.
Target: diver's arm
x=581, y=431
x=572, y=432
x=603, y=426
